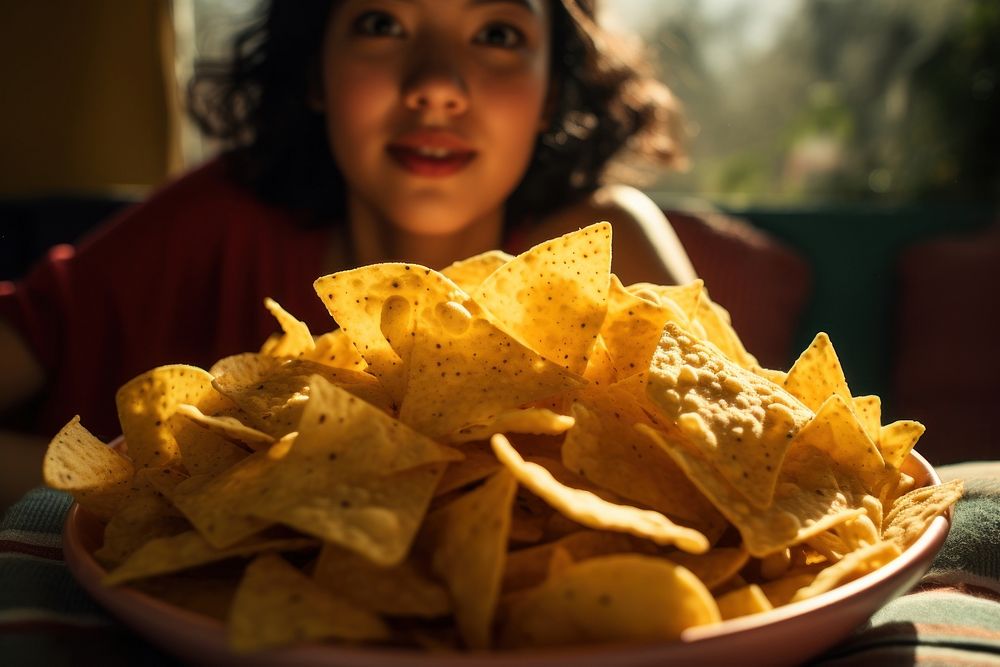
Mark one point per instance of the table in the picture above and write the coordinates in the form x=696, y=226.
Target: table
x=952, y=617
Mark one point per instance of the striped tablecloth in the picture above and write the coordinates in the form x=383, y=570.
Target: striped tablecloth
x=951, y=618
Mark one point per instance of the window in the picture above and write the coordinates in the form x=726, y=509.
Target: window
x=792, y=101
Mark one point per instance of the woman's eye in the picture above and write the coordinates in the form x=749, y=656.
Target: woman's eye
x=378, y=24
x=500, y=35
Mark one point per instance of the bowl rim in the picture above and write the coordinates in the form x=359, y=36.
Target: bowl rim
x=89, y=573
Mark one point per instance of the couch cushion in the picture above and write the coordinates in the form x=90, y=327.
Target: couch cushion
x=764, y=284
x=946, y=370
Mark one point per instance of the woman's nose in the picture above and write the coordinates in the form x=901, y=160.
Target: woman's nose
x=435, y=85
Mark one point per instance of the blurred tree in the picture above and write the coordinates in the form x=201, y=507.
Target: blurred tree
x=953, y=112
x=849, y=101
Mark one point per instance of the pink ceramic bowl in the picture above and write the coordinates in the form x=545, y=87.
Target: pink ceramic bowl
x=784, y=636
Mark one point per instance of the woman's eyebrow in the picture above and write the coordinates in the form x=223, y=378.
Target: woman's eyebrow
x=530, y=5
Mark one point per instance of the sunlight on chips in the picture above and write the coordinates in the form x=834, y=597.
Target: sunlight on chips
x=589, y=510
x=740, y=423
x=468, y=544
x=514, y=452
x=295, y=340
x=612, y=598
x=554, y=297
x=276, y=604
x=99, y=478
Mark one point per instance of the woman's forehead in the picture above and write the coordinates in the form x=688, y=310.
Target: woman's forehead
x=535, y=6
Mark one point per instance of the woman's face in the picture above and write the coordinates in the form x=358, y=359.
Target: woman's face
x=433, y=106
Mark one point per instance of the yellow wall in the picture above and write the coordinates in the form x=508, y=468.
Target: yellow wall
x=88, y=97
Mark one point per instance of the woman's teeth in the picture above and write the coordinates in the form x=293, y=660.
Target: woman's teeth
x=426, y=151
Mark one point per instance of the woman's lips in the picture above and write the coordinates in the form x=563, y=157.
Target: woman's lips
x=431, y=153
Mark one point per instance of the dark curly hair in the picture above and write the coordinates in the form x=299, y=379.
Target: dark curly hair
x=606, y=103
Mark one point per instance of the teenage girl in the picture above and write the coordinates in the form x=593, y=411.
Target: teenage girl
x=357, y=131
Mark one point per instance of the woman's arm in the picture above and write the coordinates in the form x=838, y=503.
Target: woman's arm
x=21, y=453
x=645, y=247
x=23, y=376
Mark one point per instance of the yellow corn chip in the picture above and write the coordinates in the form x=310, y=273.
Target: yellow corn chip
x=401, y=590
x=98, y=477
x=296, y=340
x=471, y=272
x=869, y=412
x=203, y=450
x=850, y=567
x=189, y=549
x=144, y=517
x=226, y=427
x=714, y=567
x=530, y=567
x=633, y=326
x=817, y=374
x=912, y=513
x=604, y=448
x=742, y=602
x=811, y=495
x=479, y=463
x=468, y=541
x=336, y=350
x=740, y=423
x=624, y=597
x=539, y=421
x=146, y=402
x=464, y=372
x=553, y=297
x=376, y=306
x=897, y=439
x=276, y=604
x=588, y=509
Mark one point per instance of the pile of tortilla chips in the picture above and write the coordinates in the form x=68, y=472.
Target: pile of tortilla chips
x=514, y=452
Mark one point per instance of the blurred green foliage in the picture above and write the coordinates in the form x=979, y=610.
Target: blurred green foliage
x=893, y=102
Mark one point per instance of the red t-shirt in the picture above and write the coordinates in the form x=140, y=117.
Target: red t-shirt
x=180, y=278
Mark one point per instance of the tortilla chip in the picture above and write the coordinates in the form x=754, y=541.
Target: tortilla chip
x=529, y=567
x=896, y=441
x=743, y=602
x=539, y=421
x=468, y=545
x=912, y=513
x=588, y=509
x=401, y=590
x=471, y=272
x=740, y=423
x=189, y=549
x=553, y=297
x=146, y=516
x=604, y=448
x=147, y=402
x=229, y=428
x=276, y=604
x=464, y=372
x=336, y=350
x=817, y=374
x=203, y=450
x=622, y=597
x=376, y=306
x=98, y=477
x=296, y=340
x=633, y=327
x=715, y=567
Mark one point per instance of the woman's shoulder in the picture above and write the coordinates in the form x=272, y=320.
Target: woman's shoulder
x=645, y=247
x=205, y=203
x=209, y=187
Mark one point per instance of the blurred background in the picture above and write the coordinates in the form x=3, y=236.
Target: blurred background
x=844, y=173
